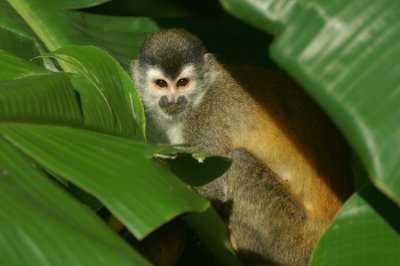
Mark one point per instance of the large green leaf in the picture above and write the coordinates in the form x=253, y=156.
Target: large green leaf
x=17, y=44
x=41, y=225
x=13, y=67
x=343, y=53
x=119, y=172
x=47, y=19
x=368, y=221
x=33, y=94
x=25, y=77
x=15, y=35
x=57, y=24
x=109, y=101
x=110, y=104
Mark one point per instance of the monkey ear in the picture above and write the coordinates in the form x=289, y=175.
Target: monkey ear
x=210, y=71
x=209, y=58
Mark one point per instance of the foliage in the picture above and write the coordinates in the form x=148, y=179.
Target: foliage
x=77, y=122
x=343, y=54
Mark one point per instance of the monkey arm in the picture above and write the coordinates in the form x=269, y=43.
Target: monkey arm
x=265, y=218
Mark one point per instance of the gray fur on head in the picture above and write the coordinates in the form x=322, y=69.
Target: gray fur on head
x=176, y=47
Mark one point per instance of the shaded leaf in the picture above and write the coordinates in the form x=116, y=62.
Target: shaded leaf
x=211, y=230
x=120, y=36
x=45, y=19
x=195, y=169
x=17, y=45
x=58, y=25
x=15, y=35
x=142, y=8
x=14, y=67
x=30, y=93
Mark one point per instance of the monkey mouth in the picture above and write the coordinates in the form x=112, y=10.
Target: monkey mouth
x=173, y=109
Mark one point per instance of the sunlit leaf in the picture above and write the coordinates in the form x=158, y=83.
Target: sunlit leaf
x=343, y=54
x=368, y=221
x=118, y=172
x=109, y=101
x=42, y=225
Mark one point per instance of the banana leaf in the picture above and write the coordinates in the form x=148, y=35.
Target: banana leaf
x=55, y=121
x=344, y=54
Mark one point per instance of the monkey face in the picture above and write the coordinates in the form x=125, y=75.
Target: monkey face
x=171, y=95
x=172, y=73
x=172, y=92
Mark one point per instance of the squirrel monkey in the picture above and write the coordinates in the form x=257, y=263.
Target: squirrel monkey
x=290, y=169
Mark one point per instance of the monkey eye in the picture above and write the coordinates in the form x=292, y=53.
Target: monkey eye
x=161, y=83
x=182, y=82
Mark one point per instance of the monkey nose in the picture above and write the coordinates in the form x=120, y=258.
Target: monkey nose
x=181, y=100
x=164, y=102
x=172, y=106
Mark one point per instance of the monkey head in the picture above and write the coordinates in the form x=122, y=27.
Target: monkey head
x=171, y=72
